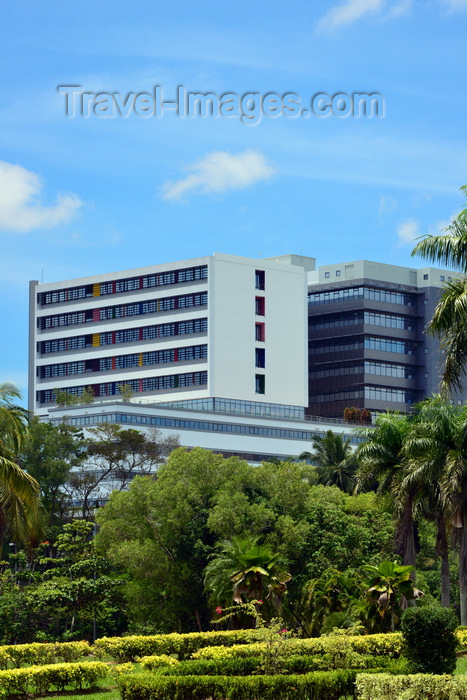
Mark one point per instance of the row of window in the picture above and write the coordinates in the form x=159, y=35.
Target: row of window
x=163, y=330
x=372, y=293
x=358, y=317
x=125, y=310
x=124, y=285
x=383, y=369
x=442, y=278
x=236, y=406
x=185, y=424
x=386, y=369
x=260, y=333
x=377, y=393
x=140, y=359
x=387, y=345
x=172, y=381
x=369, y=342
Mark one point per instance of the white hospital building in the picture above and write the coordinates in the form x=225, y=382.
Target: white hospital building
x=217, y=348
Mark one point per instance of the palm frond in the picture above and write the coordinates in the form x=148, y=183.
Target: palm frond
x=449, y=249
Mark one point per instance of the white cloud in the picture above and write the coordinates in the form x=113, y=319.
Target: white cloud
x=455, y=5
x=408, y=231
x=400, y=8
x=387, y=205
x=352, y=10
x=220, y=171
x=20, y=206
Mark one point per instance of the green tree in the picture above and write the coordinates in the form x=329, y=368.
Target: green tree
x=114, y=456
x=171, y=525
x=330, y=593
x=251, y=571
x=336, y=461
x=431, y=444
x=449, y=321
x=430, y=641
x=390, y=588
x=454, y=495
x=20, y=510
x=381, y=460
x=49, y=453
x=66, y=592
x=163, y=543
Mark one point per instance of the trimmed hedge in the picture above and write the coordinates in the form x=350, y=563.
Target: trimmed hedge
x=420, y=686
x=42, y=653
x=379, y=645
x=129, y=648
x=153, y=663
x=461, y=635
x=43, y=679
x=325, y=685
x=252, y=665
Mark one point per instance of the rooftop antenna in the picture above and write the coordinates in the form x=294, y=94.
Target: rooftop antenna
x=42, y=276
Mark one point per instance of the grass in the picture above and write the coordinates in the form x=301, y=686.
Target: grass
x=92, y=694
x=461, y=666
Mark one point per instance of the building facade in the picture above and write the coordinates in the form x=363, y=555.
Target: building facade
x=238, y=355
x=367, y=342
x=219, y=326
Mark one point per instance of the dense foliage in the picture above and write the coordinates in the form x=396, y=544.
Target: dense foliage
x=173, y=524
x=201, y=532
x=430, y=642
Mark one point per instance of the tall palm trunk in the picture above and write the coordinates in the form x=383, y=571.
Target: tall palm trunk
x=442, y=550
x=463, y=573
x=405, y=537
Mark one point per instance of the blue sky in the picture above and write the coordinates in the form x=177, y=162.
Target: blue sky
x=80, y=196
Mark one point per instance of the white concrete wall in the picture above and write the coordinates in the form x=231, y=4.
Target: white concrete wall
x=232, y=322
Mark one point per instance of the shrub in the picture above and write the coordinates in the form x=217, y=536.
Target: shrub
x=381, y=645
x=42, y=653
x=415, y=687
x=129, y=648
x=429, y=638
x=43, y=679
x=152, y=663
x=122, y=668
x=253, y=665
x=317, y=686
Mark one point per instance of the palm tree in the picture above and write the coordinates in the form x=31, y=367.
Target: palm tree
x=330, y=593
x=429, y=447
x=244, y=570
x=336, y=461
x=382, y=463
x=449, y=321
x=390, y=587
x=454, y=495
x=20, y=510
